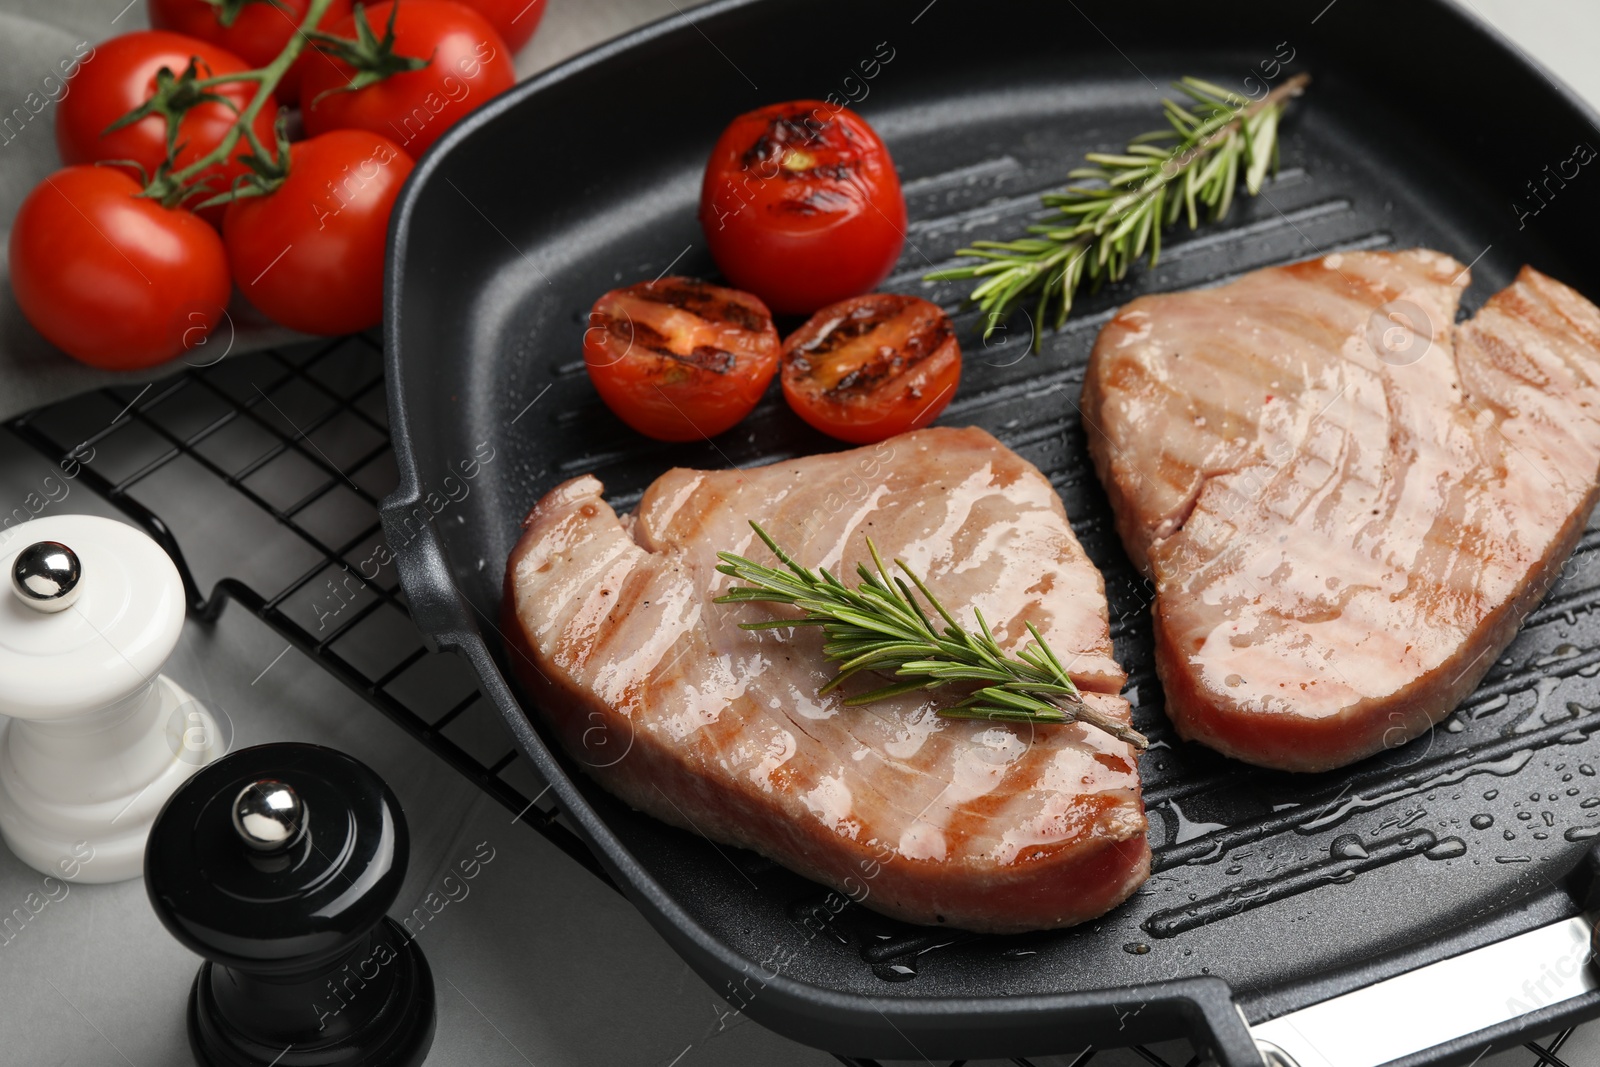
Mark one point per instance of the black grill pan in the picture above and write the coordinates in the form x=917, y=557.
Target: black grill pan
x=1271, y=891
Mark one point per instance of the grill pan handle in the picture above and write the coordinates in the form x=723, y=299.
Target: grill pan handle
x=1446, y=1011
x=437, y=606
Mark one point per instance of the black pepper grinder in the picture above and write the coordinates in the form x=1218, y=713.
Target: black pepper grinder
x=278, y=864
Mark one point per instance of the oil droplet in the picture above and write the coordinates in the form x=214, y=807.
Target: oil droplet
x=1586, y=770
x=1188, y=829
x=1582, y=833
x=1510, y=836
x=1482, y=822
x=1491, y=794
x=1524, y=815
x=897, y=971
x=1348, y=847
x=1592, y=802
x=1555, y=715
x=1541, y=836
x=1513, y=859
x=1136, y=948
x=1448, y=849
x=1235, y=869
x=1549, y=818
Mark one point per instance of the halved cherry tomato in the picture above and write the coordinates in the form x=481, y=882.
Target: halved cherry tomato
x=871, y=367
x=112, y=278
x=253, y=30
x=801, y=205
x=310, y=254
x=468, y=63
x=122, y=76
x=678, y=359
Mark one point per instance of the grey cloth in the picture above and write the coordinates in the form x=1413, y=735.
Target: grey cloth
x=37, y=39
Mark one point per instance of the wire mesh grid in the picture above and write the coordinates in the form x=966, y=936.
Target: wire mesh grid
x=293, y=444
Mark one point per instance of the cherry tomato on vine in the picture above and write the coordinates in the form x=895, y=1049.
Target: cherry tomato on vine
x=871, y=367
x=467, y=63
x=253, y=30
x=514, y=19
x=111, y=278
x=801, y=205
x=678, y=359
x=122, y=76
x=310, y=253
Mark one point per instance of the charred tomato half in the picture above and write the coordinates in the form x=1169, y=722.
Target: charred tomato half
x=871, y=367
x=678, y=359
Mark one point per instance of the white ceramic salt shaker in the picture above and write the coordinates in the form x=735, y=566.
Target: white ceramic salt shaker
x=97, y=738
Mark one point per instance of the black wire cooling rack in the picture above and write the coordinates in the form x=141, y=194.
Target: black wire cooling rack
x=294, y=443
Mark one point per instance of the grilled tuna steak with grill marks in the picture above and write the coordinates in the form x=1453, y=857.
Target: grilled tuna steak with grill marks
x=1347, y=502
x=663, y=699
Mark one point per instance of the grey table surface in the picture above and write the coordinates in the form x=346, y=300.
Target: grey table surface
x=537, y=964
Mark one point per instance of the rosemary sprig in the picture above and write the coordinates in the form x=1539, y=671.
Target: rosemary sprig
x=880, y=626
x=1099, y=230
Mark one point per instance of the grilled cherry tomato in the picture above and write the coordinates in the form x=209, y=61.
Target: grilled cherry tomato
x=310, y=254
x=468, y=62
x=253, y=30
x=112, y=278
x=871, y=367
x=122, y=75
x=678, y=359
x=801, y=205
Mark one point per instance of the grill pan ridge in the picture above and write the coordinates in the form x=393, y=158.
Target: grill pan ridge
x=1270, y=891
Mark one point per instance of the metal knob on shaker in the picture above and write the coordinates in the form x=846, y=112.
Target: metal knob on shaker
x=45, y=575
x=269, y=815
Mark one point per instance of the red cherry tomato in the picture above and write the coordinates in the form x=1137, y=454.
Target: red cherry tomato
x=257, y=32
x=871, y=367
x=515, y=19
x=801, y=205
x=111, y=278
x=310, y=254
x=470, y=64
x=678, y=359
x=122, y=75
